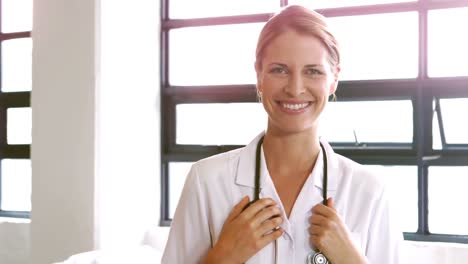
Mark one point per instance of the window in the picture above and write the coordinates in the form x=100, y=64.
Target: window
x=212, y=124
x=15, y=110
x=401, y=99
x=210, y=55
x=453, y=179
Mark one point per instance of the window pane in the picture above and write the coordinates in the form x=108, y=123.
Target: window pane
x=177, y=174
x=16, y=65
x=16, y=185
x=16, y=15
x=447, y=42
x=456, y=130
x=383, y=46
x=211, y=8
x=402, y=182
x=19, y=123
x=213, y=55
x=219, y=124
x=447, y=200
x=314, y=4
x=368, y=121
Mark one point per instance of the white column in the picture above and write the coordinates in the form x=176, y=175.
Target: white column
x=95, y=150
x=63, y=132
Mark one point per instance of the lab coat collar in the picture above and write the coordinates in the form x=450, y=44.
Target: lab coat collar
x=333, y=169
x=246, y=170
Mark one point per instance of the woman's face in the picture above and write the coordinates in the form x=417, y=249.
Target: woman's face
x=295, y=81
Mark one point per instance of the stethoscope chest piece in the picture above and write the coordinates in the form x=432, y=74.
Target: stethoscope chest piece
x=317, y=258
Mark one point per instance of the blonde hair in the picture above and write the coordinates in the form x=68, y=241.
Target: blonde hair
x=303, y=21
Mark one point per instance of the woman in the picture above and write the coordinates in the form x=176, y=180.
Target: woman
x=297, y=66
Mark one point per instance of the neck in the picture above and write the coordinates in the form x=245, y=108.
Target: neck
x=286, y=153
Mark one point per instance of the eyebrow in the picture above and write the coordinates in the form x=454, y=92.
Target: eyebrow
x=306, y=66
x=277, y=63
x=313, y=66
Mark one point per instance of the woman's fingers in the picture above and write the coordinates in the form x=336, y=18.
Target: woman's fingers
x=251, y=211
x=266, y=219
x=248, y=229
x=329, y=234
x=256, y=217
x=238, y=208
x=319, y=221
x=324, y=210
x=266, y=213
x=270, y=237
x=330, y=203
x=269, y=225
x=317, y=241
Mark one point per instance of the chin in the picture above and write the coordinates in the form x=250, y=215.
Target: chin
x=290, y=129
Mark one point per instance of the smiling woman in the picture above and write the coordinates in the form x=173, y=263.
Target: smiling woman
x=295, y=80
x=306, y=197
x=401, y=88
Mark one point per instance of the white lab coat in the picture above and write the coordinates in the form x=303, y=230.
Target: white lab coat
x=214, y=185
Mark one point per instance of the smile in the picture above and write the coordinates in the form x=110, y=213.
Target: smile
x=294, y=106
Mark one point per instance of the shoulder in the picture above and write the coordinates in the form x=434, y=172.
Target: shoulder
x=360, y=177
x=219, y=161
x=216, y=167
x=348, y=175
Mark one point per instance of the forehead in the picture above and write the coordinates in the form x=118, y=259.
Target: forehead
x=293, y=47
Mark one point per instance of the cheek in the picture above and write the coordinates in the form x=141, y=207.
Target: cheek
x=319, y=87
x=272, y=85
x=261, y=83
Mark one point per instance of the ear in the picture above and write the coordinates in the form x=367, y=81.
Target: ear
x=333, y=87
x=258, y=71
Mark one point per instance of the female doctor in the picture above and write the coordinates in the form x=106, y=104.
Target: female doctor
x=286, y=197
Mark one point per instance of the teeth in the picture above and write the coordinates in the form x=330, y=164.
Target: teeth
x=295, y=106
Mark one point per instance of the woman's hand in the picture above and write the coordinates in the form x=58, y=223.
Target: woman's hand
x=330, y=235
x=247, y=231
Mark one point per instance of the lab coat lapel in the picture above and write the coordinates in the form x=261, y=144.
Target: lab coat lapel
x=246, y=175
x=333, y=171
x=312, y=192
x=246, y=170
x=310, y=195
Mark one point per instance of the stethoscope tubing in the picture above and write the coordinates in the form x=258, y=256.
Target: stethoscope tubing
x=313, y=257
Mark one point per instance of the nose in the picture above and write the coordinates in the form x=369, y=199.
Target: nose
x=295, y=85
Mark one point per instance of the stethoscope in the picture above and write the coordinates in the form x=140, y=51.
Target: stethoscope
x=313, y=257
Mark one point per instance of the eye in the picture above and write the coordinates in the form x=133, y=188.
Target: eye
x=312, y=71
x=278, y=70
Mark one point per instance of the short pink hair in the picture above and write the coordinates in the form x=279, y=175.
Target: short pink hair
x=303, y=21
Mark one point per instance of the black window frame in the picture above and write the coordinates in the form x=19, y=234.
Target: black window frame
x=10, y=100
x=422, y=91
